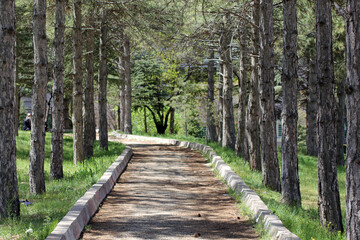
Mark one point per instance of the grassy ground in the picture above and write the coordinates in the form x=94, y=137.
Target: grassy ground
x=48, y=209
x=304, y=222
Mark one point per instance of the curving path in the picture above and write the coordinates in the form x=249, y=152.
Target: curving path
x=168, y=192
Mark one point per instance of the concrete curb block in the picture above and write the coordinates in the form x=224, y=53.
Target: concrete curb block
x=261, y=213
x=71, y=226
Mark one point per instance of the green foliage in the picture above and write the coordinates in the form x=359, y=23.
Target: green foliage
x=48, y=209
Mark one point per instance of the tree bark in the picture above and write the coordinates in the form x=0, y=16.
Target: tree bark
x=352, y=90
x=270, y=162
x=210, y=99
x=229, y=137
x=37, y=145
x=220, y=102
x=127, y=75
x=252, y=112
x=145, y=121
x=17, y=104
x=329, y=198
x=103, y=126
x=56, y=164
x=340, y=123
x=289, y=154
x=77, y=86
x=89, y=120
x=172, y=121
x=241, y=142
x=67, y=122
x=121, y=69
x=9, y=197
x=311, y=112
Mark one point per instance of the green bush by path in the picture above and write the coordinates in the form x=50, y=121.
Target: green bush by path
x=49, y=208
x=303, y=222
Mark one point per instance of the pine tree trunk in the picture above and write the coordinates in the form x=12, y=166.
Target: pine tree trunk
x=241, y=146
x=289, y=155
x=270, y=162
x=252, y=112
x=127, y=74
x=9, y=197
x=37, y=145
x=121, y=69
x=77, y=87
x=89, y=120
x=145, y=121
x=56, y=165
x=210, y=98
x=220, y=102
x=229, y=137
x=103, y=126
x=67, y=122
x=17, y=103
x=311, y=112
x=172, y=121
x=329, y=199
x=353, y=119
x=340, y=123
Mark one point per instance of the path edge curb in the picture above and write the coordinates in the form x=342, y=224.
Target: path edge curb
x=72, y=225
x=260, y=212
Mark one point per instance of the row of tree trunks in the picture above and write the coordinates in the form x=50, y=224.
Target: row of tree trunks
x=56, y=167
x=77, y=87
x=289, y=154
x=37, y=145
x=210, y=98
x=103, y=129
x=252, y=112
x=329, y=198
x=89, y=118
x=9, y=198
x=353, y=119
x=241, y=142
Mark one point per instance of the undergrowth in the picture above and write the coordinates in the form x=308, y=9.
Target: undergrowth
x=49, y=208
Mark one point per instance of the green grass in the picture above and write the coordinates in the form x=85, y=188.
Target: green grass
x=304, y=222
x=49, y=208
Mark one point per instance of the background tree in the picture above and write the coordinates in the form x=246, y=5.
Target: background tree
x=289, y=155
x=56, y=168
x=37, y=145
x=211, y=107
x=329, y=198
x=9, y=198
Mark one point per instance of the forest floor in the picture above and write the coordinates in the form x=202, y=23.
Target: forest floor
x=168, y=192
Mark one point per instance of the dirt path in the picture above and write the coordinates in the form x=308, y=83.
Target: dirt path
x=167, y=192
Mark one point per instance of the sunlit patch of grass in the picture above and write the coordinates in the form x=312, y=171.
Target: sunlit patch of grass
x=49, y=208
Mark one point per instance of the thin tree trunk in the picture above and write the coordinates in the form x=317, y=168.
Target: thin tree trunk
x=252, y=112
x=220, y=102
x=229, y=137
x=340, y=123
x=145, y=121
x=9, y=197
x=270, y=162
x=210, y=99
x=289, y=155
x=329, y=198
x=77, y=87
x=89, y=120
x=127, y=73
x=103, y=126
x=241, y=148
x=121, y=69
x=353, y=119
x=172, y=121
x=311, y=112
x=17, y=104
x=67, y=122
x=37, y=145
x=56, y=165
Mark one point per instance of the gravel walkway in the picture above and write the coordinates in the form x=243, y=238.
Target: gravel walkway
x=168, y=192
